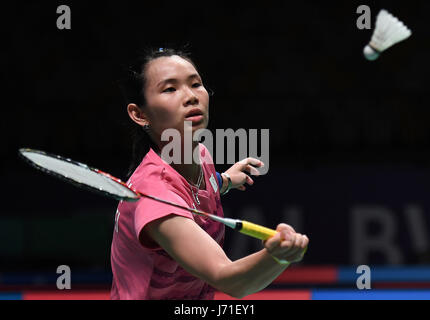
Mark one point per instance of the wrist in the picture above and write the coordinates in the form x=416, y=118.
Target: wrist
x=282, y=262
x=226, y=183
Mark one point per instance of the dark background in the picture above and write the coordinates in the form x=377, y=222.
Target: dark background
x=343, y=130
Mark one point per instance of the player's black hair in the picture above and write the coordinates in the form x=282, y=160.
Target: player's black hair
x=133, y=89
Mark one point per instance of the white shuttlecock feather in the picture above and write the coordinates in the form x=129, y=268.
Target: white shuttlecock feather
x=388, y=31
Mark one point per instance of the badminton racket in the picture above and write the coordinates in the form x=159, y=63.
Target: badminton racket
x=83, y=176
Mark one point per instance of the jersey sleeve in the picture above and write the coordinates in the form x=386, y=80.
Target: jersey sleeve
x=148, y=210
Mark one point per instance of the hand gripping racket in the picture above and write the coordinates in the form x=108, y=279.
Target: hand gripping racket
x=96, y=180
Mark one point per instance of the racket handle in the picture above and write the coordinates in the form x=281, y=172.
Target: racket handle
x=257, y=231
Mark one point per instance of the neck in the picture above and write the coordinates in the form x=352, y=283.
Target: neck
x=190, y=171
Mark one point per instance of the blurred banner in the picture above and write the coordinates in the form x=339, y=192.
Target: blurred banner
x=352, y=215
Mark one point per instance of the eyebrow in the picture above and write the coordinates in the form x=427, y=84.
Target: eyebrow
x=174, y=80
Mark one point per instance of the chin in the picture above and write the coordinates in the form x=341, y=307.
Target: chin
x=203, y=124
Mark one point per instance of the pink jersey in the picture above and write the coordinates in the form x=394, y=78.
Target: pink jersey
x=141, y=272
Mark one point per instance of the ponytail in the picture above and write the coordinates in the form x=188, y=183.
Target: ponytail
x=142, y=142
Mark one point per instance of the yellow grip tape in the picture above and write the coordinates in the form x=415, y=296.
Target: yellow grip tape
x=257, y=231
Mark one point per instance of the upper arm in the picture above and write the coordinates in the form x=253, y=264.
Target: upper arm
x=189, y=245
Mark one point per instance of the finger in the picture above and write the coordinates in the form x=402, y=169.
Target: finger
x=284, y=226
x=249, y=165
x=252, y=171
x=241, y=188
x=271, y=243
x=253, y=161
x=301, y=246
x=294, y=245
x=291, y=251
x=298, y=241
x=249, y=180
x=288, y=239
x=305, y=241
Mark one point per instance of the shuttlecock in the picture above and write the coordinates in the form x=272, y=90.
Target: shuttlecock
x=388, y=31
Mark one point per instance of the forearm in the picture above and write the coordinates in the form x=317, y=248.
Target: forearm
x=249, y=274
x=201, y=256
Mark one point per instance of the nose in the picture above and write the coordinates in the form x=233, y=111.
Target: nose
x=190, y=98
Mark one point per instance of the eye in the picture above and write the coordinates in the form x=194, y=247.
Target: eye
x=170, y=89
x=197, y=84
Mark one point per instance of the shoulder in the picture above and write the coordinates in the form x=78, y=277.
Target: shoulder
x=155, y=177
x=150, y=170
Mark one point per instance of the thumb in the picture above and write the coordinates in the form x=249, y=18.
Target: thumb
x=271, y=243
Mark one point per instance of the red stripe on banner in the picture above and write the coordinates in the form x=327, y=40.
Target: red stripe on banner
x=401, y=285
x=312, y=275
x=66, y=295
x=270, y=295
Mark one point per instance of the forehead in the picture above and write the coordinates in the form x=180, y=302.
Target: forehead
x=173, y=67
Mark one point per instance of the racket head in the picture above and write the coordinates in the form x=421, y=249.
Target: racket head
x=78, y=174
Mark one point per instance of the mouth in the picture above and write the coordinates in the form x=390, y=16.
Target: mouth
x=194, y=112
x=194, y=115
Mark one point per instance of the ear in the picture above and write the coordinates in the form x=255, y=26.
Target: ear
x=137, y=115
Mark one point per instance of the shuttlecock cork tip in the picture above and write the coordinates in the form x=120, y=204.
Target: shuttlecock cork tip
x=370, y=53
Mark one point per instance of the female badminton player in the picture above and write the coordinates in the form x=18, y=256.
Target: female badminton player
x=162, y=252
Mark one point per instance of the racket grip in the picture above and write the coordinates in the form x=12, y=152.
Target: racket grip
x=257, y=231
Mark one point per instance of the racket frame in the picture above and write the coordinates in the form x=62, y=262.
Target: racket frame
x=74, y=182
